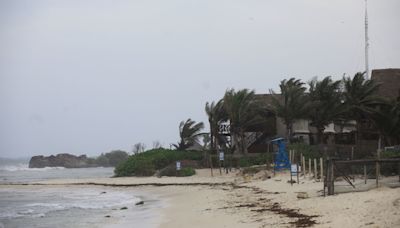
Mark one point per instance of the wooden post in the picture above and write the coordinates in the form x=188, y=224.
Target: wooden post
x=378, y=168
x=220, y=171
x=330, y=177
x=301, y=163
x=304, y=165
x=333, y=177
x=211, y=164
x=297, y=173
x=309, y=167
x=365, y=174
x=321, y=168
x=352, y=158
x=291, y=179
x=315, y=169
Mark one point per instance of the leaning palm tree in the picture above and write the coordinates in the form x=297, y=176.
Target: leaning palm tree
x=189, y=132
x=242, y=111
x=360, y=98
x=291, y=104
x=325, y=104
x=387, y=121
x=216, y=114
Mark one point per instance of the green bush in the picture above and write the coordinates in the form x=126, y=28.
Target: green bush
x=187, y=171
x=146, y=163
x=255, y=160
x=308, y=151
x=170, y=171
x=390, y=154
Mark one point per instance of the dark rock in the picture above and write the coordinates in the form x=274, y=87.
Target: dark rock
x=139, y=203
x=123, y=208
x=60, y=160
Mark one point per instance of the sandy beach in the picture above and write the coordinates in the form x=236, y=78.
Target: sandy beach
x=231, y=200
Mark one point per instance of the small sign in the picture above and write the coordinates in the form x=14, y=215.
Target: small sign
x=178, y=165
x=221, y=156
x=293, y=168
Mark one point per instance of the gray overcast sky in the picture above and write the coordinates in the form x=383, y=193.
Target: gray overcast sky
x=86, y=77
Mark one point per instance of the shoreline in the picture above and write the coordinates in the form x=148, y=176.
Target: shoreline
x=236, y=201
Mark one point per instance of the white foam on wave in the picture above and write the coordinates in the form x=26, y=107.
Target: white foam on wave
x=69, y=200
x=25, y=167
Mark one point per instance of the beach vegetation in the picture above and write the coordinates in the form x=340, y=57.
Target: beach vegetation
x=189, y=133
x=291, y=104
x=325, y=104
x=243, y=112
x=148, y=162
x=138, y=148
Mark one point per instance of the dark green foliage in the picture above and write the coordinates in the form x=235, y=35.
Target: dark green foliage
x=254, y=160
x=390, y=154
x=135, y=167
x=187, y=171
x=170, y=171
x=112, y=158
x=102, y=160
x=291, y=104
x=189, y=132
x=325, y=104
x=309, y=152
x=116, y=156
x=243, y=111
x=243, y=161
x=146, y=163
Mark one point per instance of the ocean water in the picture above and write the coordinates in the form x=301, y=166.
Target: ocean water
x=70, y=206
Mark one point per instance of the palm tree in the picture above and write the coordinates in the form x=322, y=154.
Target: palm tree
x=291, y=104
x=360, y=98
x=189, y=132
x=387, y=121
x=325, y=104
x=216, y=114
x=242, y=111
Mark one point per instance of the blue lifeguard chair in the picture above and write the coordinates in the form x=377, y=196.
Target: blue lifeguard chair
x=281, y=159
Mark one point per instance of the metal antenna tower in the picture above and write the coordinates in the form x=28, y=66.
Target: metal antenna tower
x=366, y=41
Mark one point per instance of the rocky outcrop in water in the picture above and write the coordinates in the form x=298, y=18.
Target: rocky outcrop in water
x=60, y=160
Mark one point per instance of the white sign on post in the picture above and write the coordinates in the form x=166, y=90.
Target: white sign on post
x=293, y=168
x=178, y=165
x=221, y=156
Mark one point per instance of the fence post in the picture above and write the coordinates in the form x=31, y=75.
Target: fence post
x=365, y=174
x=315, y=169
x=378, y=168
x=211, y=165
x=330, y=177
x=321, y=168
x=309, y=167
x=304, y=164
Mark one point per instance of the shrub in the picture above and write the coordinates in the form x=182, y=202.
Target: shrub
x=302, y=148
x=187, y=171
x=170, y=171
x=146, y=163
x=116, y=156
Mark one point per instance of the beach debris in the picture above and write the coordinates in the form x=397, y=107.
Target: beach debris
x=302, y=195
x=124, y=208
x=139, y=203
x=103, y=192
x=107, y=216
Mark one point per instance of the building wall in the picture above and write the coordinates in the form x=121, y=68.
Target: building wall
x=390, y=82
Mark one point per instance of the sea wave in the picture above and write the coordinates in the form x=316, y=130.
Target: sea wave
x=63, y=200
x=25, y=167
